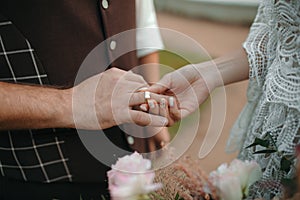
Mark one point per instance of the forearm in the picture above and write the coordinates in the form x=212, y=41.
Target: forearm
x=150, y=70
x=31, y=107
x=227, y=69
x=234, y=67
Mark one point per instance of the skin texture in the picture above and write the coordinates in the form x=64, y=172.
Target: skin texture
x=34, y=107
x=192, y=84
x=152, y=74
x=31, y=107
x=25, y=106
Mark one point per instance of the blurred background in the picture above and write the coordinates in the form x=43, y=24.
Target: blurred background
x=220, y=26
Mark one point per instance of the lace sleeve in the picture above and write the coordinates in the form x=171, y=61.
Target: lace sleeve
x=273, y=108
x=256, y=46
x=273, y=49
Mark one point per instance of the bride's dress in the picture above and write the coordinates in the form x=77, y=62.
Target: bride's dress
x=273, y=107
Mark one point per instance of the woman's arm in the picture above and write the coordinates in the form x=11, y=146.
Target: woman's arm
x=233, y=67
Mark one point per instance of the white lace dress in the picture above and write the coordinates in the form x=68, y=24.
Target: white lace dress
x=273, y=108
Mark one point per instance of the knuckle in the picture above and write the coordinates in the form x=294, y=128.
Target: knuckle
x=114, y=69
x=138, y=78
x=117, y=72
x=141, y=79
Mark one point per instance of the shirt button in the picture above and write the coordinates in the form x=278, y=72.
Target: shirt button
x=130, y=140
x=105, y=4
x=113, y=45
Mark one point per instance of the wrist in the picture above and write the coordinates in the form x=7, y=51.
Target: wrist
x=210, y=74
x=232, y=68
x=64, y=117
x=225, y=70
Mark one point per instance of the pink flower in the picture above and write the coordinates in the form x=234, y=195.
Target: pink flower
x=233, y=181
x=131, y=177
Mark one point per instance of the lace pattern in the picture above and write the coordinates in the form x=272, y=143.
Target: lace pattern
x=273, y=108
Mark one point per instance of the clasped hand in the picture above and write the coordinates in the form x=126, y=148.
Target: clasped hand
x=185, y=89
x=116, y=97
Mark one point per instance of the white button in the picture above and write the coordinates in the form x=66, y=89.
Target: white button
x=113, y=45
x=130, y=140
x=105, y=4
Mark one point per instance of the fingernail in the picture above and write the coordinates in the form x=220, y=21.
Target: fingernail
x=162, y=103
x=151, y=104
x=143, y=107
x=171, y=101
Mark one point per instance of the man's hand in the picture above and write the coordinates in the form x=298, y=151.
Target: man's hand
x=99, y=102
x=105, y=100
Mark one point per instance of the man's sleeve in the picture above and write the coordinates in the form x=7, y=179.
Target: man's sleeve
x=148, y=35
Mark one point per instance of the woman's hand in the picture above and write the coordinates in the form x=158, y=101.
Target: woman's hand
x=187, y=88
x=192, y=84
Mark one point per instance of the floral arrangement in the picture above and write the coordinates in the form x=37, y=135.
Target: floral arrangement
x=233, y=181
x=184, y=179
x=131, y=178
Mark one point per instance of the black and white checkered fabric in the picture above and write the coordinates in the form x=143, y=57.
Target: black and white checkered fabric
x=30, y=155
